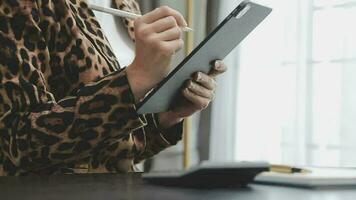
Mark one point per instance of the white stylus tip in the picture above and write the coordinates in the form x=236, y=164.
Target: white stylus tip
x=187, y=29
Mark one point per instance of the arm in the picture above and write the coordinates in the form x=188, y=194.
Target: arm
x=152, y=139
x=38, y=134
x=37, y=130
x=143, y=143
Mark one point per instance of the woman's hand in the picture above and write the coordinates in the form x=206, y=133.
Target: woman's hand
x=158, y=37
x=198, y=93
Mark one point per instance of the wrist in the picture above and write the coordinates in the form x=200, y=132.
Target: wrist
x=139, y=82
x=168, y=119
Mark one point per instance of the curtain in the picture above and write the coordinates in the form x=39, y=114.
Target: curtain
x=296, y=96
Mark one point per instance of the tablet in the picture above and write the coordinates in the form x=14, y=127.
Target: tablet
x=242, y=21
x=210, y=175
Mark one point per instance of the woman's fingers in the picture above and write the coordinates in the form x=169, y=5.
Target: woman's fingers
x=171, y=34
x=218, y=68
x=200, y=103
x=170, y=47
x=200, y=90
x=163, y=12
x=164, y=24
x=205, y=81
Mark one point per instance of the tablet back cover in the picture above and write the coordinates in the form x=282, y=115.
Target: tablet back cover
x=243, y=20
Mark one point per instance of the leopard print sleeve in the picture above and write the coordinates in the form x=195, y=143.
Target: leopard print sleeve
x=155, y=139
x=37, y=129
x=149, y=140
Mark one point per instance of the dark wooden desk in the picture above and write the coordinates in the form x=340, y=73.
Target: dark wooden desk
x=132, y=187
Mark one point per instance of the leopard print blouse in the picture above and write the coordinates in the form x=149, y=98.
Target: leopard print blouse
x=65, y=103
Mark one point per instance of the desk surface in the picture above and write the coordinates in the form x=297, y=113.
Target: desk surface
x=132, y=187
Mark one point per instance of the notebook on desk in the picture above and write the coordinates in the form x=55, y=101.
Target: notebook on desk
x=318, y=178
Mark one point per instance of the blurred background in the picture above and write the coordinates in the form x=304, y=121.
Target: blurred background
x=290, y=93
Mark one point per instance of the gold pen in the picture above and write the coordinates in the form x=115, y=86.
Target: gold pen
x=285, y=169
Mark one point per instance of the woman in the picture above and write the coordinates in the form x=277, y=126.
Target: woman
x=66, y=106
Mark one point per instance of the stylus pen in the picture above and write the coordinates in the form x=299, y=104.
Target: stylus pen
x=121, y=13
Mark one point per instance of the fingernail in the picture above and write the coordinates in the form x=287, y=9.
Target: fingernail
x=186, y=84
x=217, y=65
x=191, y=86
x=198, y=78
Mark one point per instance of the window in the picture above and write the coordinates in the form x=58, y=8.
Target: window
x=296, y=99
